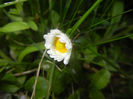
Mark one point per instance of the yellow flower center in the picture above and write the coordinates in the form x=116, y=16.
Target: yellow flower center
x=60, y=47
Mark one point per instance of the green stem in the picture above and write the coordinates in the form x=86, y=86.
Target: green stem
x=37, y=75
x=50, y=5
x=50, y=80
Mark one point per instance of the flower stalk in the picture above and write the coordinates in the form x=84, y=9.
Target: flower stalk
x=37, y=75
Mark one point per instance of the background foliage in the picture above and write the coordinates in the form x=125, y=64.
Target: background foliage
x=101, y=64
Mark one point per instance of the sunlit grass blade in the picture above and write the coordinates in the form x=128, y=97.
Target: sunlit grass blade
x=11, y=3
x=84, y=17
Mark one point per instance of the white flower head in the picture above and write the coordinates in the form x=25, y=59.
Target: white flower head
x=58, y=45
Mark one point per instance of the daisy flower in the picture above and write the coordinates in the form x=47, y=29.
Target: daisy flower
x=58, y=45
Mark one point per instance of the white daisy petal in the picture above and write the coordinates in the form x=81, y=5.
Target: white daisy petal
x=58, y=45
x=66, y=59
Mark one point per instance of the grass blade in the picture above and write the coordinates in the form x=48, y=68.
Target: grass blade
x=11, y=3
x=84, y=17
x=109, y=18
x=66, y=9
x=118, y=8
x=114, y=39
x=76, y=9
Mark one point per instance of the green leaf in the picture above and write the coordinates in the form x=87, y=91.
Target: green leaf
x=9, y=88
x=55, y=18
x=41, y=88
x=43, y=25
x=32, y=25
x=100, y=79
x=89, y=55
x=14, y=15
x=2, y=68
x=30, y=49
x=15, y=18
x=96, y=94
x=61, y=79
x=118, y=8
x=21, y=79
x=105, y=64
x=9, y=77
x=14, y=26
x=75, y=95
x=10, y=83
x=4, y=56
x=14, y=11
x=3, y=62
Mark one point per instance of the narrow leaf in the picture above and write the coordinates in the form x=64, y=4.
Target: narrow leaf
x=30, y=49
x=14, y=26
x=117, y=9
x=32, y=25
x=68, y=2
x=54, y=18
x=84, y=16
